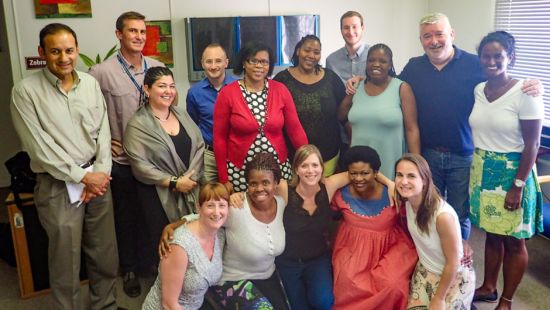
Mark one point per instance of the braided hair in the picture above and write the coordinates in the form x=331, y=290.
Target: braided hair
x=295, y=60
x=264, y=162
x=387, y=51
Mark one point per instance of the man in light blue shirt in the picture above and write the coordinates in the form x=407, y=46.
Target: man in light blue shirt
x=350, y=60
x=201, y=98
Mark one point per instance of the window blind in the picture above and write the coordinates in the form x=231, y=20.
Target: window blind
x=529, y=22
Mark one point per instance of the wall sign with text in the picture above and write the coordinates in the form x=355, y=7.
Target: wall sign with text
x=34, y=62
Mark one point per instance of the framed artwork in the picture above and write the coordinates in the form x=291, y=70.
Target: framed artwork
x=62, y=8
x=159, y=41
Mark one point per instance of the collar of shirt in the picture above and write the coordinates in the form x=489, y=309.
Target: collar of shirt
x=456, y=55
x=457, y=52
x=360, y=51
x=205, y=83
x=132, y=67
x=56, y=82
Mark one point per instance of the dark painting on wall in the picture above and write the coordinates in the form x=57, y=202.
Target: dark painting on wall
x=261, y=29
x=203, y=31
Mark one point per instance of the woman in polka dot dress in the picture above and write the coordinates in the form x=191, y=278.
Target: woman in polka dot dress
x=252, y=115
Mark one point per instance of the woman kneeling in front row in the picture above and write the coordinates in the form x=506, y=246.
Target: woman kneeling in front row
x=439, y=280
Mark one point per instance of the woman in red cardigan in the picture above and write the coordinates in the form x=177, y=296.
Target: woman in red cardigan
x=251, y=115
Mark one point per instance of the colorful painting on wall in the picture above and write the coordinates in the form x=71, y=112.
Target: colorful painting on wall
x=159, y=41
x=62, y=8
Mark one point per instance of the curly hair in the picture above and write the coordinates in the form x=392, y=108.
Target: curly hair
x=249, y=50
x=362, y=153
x=264, y=162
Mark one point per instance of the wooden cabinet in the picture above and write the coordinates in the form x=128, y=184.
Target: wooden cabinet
x=17, y=223
x=32, y=263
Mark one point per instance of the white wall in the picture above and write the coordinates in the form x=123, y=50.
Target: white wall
x=379, y=17
x=96, y=34
x=394, y=22
x=471, y=19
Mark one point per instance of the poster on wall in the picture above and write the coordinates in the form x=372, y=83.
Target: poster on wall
x=159, y=41
x=62, y=8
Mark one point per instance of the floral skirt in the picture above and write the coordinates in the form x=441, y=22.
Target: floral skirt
x=241, y=295
x=491, y=176
x=424, y=285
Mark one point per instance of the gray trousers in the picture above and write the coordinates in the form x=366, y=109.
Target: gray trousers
x=210, y=168
x=89, y=227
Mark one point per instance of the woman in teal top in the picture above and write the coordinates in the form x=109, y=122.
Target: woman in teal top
x=382, y=113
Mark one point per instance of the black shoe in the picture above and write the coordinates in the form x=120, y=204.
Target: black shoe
x=491, y=297
x=130, y=285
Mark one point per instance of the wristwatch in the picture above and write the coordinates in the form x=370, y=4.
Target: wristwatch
x=173, y=183
x=519, y=183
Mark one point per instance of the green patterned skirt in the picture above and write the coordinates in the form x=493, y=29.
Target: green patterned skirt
x=491, y=176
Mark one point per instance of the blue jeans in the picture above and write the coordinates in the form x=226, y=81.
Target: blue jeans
x=308, y=285
x=451, y=175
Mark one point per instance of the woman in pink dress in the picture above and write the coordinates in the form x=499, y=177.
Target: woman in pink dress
x=373, y=256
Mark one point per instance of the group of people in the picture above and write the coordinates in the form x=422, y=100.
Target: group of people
x=121, y=167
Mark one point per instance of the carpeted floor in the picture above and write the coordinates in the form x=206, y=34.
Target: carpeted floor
x=533, y=293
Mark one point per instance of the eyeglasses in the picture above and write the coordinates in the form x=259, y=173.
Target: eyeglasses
x=255, y=62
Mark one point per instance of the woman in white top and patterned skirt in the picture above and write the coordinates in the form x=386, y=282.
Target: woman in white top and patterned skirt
x=505, y=198
x=439, y=280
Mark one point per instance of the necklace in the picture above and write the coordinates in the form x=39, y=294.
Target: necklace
x=264, y=88
x=494, y=93
x=163, y=120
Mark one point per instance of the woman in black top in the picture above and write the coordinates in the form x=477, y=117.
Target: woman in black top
x=317, y=93
x=165, y=149
x=305, y=265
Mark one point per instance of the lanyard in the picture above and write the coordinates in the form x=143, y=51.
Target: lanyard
x=131, y=76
